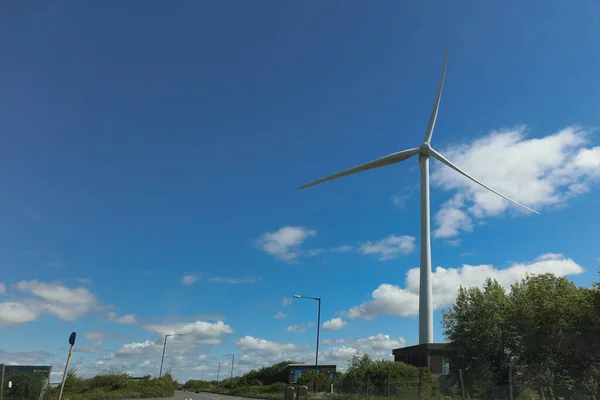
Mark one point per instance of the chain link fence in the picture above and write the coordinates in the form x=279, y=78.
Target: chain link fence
x=391, y=388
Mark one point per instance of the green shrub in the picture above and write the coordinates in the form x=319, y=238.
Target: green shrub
x=114, y=386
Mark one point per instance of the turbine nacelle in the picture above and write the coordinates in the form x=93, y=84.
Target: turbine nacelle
x=425, y=149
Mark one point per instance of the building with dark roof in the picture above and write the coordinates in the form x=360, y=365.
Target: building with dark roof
x=434, y=356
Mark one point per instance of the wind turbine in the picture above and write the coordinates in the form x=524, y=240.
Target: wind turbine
x=424, y=151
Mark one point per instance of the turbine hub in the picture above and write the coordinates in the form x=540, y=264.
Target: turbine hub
x=424, y=149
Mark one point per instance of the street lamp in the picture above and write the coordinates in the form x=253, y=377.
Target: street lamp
x=297, y=296
x=232, y=361
x=164, y=348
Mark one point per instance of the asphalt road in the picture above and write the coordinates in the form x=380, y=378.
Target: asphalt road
x=179, y=395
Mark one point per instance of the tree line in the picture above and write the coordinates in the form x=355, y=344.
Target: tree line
x=538, y=340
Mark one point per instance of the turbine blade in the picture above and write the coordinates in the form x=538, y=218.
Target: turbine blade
x=436, y=105
x=380, y=162
x=444, y=160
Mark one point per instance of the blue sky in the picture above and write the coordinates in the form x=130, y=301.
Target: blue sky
x=151, y=156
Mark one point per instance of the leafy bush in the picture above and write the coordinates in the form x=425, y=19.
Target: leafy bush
x=308, y=379
x=115, y=386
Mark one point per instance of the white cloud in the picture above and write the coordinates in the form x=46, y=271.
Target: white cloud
x=260, y=352
x=538, y=172
x=296, y=328
x=233, y=281
x=299, y=328
x=341, y=249
x=284, y=243
x=249, y=343
x=14, y=313
x=125, y=319
x=334, y=324
x=146, y=348
x=286, y=301
x=58, y=300
x=377, y=346
x=404, y=302
x=188, y=279
x=2, y=289
x=340, y=356
x=201, y=332
x=389, y=247
x=400, y=200
x=279, y=315
x=140, y=358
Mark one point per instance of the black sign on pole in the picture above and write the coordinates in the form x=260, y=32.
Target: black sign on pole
x=72, y=338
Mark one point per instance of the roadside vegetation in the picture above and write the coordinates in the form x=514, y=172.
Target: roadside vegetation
x=364, y=377
x=105, y=386
x=116, y=386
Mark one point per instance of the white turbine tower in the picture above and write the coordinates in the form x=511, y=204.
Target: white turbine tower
x=424, y=151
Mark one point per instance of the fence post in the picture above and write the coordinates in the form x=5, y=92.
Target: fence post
x=462, y=384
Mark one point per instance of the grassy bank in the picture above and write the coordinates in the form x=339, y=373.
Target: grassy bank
x=268, y=392
x=115, y=386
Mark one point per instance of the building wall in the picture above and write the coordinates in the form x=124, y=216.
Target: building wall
x=433, y=356
x=293, y=372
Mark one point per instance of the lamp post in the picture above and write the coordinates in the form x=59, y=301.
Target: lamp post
x=218, y=372
x=232, y=361
x=163, y=353
x=318, y=299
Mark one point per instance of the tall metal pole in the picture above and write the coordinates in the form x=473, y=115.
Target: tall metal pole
x=425, y=290
x=2, y=381
x=163, y=356
x=218, y=372
x=64, y=378
x=232, y=361
x=317, y=351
